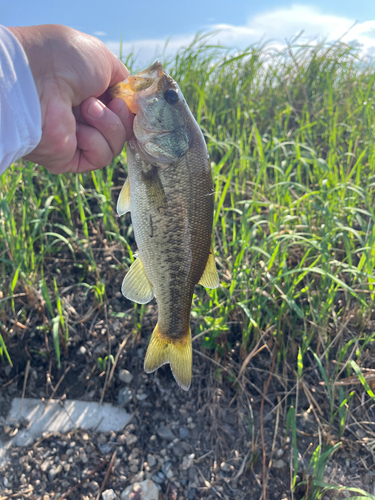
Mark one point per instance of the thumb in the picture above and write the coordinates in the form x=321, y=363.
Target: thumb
x=119, y=72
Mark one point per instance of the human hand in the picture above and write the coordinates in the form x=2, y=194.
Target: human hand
x=81, y=128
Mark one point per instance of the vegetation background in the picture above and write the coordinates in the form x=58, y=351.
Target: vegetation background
x=291, y=141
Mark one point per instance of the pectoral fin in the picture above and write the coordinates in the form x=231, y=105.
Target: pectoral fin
x=123, y=202
x=136, y=286
x=210, y=278
x=176, y=352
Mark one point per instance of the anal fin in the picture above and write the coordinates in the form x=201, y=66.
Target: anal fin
x=176, y=352
x=210, y=278
x=136, y=286
x=123, y=202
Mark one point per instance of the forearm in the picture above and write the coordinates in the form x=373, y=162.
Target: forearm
x=20, y=115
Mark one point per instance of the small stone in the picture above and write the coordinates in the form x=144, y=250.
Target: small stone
x=138, y=477
x=102, y=439
x=124, y=396
x=85, y=437
x=165, y=433
x=178, y=450
x=145, y=490
x=84, y=458
x=191, y=425
x=105, y=448
x=151, y=460
x=187, y=462
x=367, y=479
x=53, y=472
x=360, y=433
x=158, y=478
x=109, y=495
x=133, y=468
x=224, y=466
x=45, y=465
x=121, y=439
x=183, y=432
x=192, y=493
x=166, y=467
x=140, y=352
x=82, y=350
x=67, y=467
x=192, y=474
x=125, y=376
x=93, y=485
x=131, y=439
x=279, y=464
x=100, y=348
x=280, y=453
x=142, y=396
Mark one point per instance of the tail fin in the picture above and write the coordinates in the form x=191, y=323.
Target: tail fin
x=176, y=352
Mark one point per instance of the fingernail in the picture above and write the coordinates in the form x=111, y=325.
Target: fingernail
x=96, y=109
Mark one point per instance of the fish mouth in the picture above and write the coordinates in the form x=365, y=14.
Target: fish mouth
x=154, y=71
x=152, y=79
x=129, y=88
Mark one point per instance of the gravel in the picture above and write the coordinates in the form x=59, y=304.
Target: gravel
x=145, y=490
x=183, y=432
x=165, y=433
x=109, y=495
x=179, y=441
x=125, y=395
x=125, y=376
x=151, y=460
x=131, y=439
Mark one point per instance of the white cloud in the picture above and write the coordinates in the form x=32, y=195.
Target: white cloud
x=149, y=49
x=276, y=25
x=100, y=33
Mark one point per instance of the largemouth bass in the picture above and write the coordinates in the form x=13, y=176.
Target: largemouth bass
x=169, y=193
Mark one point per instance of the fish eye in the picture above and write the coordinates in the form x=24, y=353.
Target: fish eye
x=171, y=96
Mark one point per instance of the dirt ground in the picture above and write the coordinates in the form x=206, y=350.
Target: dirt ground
x=214, y=441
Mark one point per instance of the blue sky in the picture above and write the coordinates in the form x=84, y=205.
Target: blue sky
x=146, y=24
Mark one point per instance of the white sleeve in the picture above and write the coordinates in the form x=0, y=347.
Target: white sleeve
x=20, y=115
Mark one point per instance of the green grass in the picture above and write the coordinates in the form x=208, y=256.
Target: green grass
x=291, y=141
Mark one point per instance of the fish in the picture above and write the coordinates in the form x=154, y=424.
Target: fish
x=169, y=193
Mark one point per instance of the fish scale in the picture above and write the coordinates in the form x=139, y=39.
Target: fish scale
x=174, y=256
